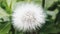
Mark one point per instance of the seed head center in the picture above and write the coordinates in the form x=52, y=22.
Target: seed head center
x=29, y=17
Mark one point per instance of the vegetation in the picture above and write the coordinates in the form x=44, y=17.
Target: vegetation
x=52, y=25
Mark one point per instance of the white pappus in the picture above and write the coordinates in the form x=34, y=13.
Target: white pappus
x=28, y=16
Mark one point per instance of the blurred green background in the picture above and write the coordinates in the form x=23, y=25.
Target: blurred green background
x=50, y=27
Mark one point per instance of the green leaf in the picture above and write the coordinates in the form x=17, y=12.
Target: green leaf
x=48, y=3
x=5, y=29
x=10, y=3
x=3, y=15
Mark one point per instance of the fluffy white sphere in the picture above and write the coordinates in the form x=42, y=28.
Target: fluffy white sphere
x=28, y=16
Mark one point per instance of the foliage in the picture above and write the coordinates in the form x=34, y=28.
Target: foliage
x=6, y=7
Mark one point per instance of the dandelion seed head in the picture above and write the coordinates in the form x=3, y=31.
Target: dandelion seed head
x=28, y=16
